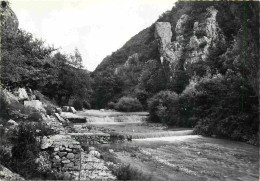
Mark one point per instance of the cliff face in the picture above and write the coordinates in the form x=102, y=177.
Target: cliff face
x=9, y=21
x=191, y=34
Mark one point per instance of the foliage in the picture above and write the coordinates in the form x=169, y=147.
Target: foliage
x=78, y=104
x=163, y=107
x=106, y=85
x=126, y=172
x=128, y=104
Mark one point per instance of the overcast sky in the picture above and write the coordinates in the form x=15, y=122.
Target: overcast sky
x=96, y=27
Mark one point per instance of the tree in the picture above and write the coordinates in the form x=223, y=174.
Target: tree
x=77, y=59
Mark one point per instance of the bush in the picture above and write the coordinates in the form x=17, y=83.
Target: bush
x=125, y=172
x=128, y=104
x=111, y=105
x=25, y=151
x=86, y=105
x=35, y=117
x=78, y=105
x=50, y=109
x=163, y=107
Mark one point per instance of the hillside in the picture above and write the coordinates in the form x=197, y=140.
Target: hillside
x=205, y=54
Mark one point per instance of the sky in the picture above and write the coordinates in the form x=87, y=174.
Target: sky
x=96, y=27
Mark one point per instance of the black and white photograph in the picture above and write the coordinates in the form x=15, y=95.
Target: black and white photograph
x=144, y=90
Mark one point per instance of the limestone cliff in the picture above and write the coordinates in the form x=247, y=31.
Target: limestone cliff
x=205, y=34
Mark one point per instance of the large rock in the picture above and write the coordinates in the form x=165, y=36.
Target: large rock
x=35, y=104
x=163, y=32
x=59, y=118
x=170, y=51
x=72, y=109
x=11, y=123
x=46, y=143
x=22, y=94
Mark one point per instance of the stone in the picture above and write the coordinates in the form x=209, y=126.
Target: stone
x=71, y=164
x=72, y=109
x=111, y=150
x=59, y=118
x=163, y=32
x=57, y=157
x=35, y=104
x=22, y=94
x=11, y=125
x=70, y=155
x=61, y=154
x=65, y=161
x=46, y=143
x=77, y=156
x=91, y=148
x=76, y=150
x=95, y=153
x=68, y=149
x=65, y=109
x=58, y=110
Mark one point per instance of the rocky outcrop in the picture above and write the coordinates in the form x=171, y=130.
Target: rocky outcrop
x=169, y=51
x=9, y=21
x=36, y=104
x=205, y=34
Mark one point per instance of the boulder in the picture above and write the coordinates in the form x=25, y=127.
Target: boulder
x=59, y=118
x=11, y=123
x=65, y=109
x=95, y=153
x=22, y=94
x=35, y=104
x=72, y=109
x=46, y=143
x=58, y=110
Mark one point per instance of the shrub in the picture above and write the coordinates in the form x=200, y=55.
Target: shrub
x=86, y=105
x=163, y=107
x=125, y=172
x=25, y=151
x=35, y=117
x=78, y=105
x=50, y=109
x=111, y=105
x=128, y=104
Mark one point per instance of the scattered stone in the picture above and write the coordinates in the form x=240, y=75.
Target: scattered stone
x=72, y=109
x=35, y=104
x=46, y=143
x=95, y=153
x=91, y=148
x=65, y=109
x=111, y=151
x=59, y=118
x=58, y=110
x=22, y=94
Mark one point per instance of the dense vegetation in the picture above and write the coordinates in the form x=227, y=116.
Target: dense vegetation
x=27, y=62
